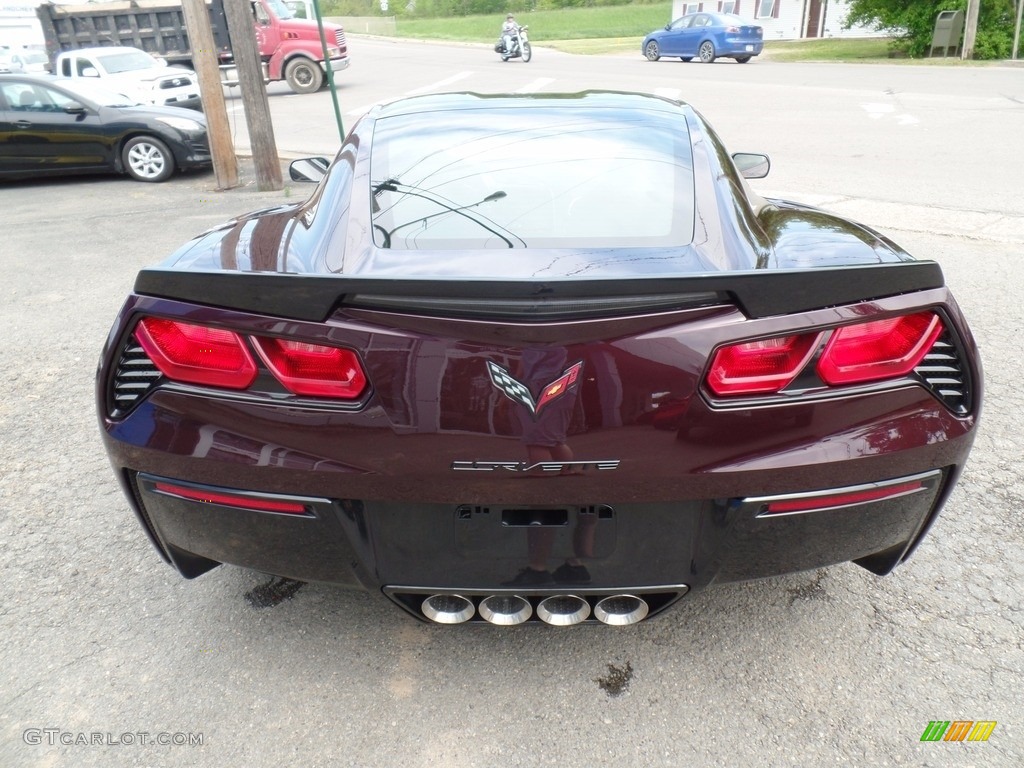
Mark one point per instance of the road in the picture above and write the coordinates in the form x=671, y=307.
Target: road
x=833, y=667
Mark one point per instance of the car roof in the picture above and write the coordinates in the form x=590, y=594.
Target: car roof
x=593, y=99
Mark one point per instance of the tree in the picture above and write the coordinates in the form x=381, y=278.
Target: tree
x=912, y=22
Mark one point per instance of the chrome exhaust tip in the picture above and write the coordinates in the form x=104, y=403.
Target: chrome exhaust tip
x=563, y=610
x=506, y=610
x=621, y=610
x=448, y=609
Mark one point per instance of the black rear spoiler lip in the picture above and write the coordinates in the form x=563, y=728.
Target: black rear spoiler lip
x=758, y=293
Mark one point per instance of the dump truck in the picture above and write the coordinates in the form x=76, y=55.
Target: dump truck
x=289, y=48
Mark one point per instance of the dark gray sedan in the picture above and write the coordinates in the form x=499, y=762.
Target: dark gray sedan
x=53, y=126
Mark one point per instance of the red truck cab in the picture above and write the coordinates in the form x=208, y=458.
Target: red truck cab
x=291, y=47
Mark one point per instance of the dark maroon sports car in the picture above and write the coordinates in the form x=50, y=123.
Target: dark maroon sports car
x=538, y=358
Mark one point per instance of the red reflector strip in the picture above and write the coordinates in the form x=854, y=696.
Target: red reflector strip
x=788, y=506
x=231, y=500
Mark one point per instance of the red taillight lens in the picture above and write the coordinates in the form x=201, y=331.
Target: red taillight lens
x=195, y=354
x=880, y=349
x=313, y=369
x=759, y=367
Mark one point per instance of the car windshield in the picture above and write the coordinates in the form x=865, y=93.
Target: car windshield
x=127, y=61
x=537, y=178
x=281, y=10
x=98, y=93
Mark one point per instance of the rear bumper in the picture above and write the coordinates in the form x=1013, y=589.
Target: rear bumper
x=480, y=547
x=741, y=48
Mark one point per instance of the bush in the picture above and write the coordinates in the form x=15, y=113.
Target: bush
x=912, y=23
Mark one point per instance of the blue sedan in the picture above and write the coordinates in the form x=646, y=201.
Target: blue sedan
x=707, y=36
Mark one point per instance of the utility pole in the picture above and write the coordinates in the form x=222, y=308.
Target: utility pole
x=238, y=14
x=1016, y=30
x=204, y=59
x=970, y=29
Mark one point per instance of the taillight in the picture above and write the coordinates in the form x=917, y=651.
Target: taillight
x=881, y=349
x=313, y=369
x=760, y=367
x=854, y=354
x=196, y=354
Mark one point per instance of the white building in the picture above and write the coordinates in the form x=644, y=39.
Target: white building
x=19, y=25
x=785, y=19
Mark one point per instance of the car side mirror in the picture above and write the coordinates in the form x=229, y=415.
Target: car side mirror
x=74, y=108
x=90, y=72
x=752, y=165
x=311, y=169
x=668, y=26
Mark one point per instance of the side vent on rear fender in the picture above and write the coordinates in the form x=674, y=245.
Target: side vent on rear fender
x=942, y=370
x=134, y=376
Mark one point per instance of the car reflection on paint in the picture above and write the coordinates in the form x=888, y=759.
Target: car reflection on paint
x=54, y=127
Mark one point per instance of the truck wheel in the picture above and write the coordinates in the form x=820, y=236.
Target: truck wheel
x=147, y=158
x=304, y=76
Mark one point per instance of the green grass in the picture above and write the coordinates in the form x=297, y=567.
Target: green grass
x=548, y=27
x=830, y=49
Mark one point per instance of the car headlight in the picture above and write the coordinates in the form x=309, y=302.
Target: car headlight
x=333, y=53
x=181, y=123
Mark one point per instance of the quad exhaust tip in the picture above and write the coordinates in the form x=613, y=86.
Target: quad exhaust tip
x=448, y=609
x=621, y=610
x=558, y=610
x=506, y=610
x=563, y=610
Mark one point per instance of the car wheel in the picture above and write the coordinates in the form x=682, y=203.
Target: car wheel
x=742, y=59
x=686, y=58
x=146, y=158
x=651, y=51
x=707, y=52
x=304, y=76
x=527, y=52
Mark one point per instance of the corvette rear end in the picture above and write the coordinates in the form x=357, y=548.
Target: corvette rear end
x=631, y=379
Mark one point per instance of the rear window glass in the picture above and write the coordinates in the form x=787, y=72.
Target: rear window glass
x=532, y=178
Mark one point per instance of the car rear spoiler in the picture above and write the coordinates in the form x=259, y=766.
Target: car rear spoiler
x=758, y=293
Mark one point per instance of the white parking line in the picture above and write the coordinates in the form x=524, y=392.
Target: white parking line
x=439, y=84
x=536, y=85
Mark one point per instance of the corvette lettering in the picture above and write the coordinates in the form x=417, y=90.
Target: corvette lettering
x=540, y=466
x=515, y=390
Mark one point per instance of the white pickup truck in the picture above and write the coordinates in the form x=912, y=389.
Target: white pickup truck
x=134, y=73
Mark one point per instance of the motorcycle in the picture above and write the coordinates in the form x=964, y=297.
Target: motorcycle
x=520, y=46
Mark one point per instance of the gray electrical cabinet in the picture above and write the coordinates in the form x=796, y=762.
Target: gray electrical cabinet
x=949, y=28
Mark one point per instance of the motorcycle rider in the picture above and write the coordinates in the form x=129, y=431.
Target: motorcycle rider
x=508, y=29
